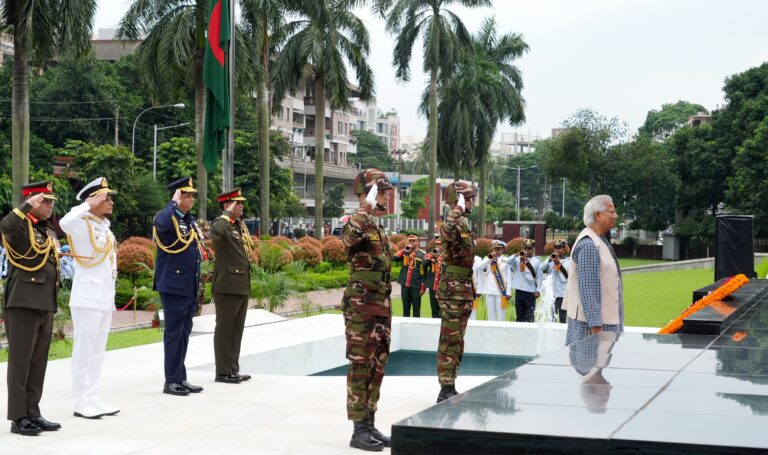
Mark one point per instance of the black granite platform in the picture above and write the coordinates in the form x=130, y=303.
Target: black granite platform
x=624, y=393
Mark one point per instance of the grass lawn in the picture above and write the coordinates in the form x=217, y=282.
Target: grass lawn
x=629, y=262
x=63, y=349
x=651, y=299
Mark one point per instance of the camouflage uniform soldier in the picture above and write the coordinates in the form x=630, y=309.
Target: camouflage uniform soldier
x=367, y=307
x=455, y=290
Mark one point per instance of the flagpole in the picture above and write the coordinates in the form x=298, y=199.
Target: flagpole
x=229, y=158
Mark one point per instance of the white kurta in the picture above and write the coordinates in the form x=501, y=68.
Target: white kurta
x=92, y=300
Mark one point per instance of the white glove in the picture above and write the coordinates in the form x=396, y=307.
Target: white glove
x=371, y=198
x=461, y=203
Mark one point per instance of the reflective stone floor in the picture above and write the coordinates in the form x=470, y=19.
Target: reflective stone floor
x=628, y=393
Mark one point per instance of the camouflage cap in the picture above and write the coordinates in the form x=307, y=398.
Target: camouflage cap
x=365, y=180
x=454, y=189
x=529, y=243
x=560, y=243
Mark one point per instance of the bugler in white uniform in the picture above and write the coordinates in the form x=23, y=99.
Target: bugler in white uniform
x=92, y=300
x=494, y=281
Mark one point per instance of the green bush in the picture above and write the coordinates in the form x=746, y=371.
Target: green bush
x=419, y=232
x=146, y=297
x=323, y=267
x=299, y=233
x=313, y=281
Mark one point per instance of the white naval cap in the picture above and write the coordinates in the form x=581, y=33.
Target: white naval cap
x=98, y=186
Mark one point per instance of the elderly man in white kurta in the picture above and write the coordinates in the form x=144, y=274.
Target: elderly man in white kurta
x=92, y=300
x=594, y=295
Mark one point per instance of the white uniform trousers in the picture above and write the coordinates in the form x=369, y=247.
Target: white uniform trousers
x=91, y=331
x=495, y=311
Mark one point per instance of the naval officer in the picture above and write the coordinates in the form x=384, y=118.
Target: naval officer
x=92, y=300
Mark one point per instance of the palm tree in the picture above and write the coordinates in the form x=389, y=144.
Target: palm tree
x=321, y=39
x=444, y=34
x=171, y=59
x=41, y=30
x=484, y=90
x=264, y=25
x=501, y=51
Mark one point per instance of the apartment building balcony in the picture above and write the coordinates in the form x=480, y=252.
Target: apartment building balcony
x=330, y=170
x=297, y=104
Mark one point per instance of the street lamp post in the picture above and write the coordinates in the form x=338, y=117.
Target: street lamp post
x=154, y=147
x=518, y=186
x=399, y=162
x=133, y=133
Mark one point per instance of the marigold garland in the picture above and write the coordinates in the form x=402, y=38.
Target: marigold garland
x=726, y=289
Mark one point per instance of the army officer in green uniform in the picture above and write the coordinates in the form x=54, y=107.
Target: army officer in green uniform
x=29, y=304
x=231, y=285
x=367, y=307
x=455, y=290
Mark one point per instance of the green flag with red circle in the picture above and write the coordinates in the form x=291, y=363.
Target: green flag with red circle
x=216, y=78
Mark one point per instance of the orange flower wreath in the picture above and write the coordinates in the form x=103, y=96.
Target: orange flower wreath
x=726, y=289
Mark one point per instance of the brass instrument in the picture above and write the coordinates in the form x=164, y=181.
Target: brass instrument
x=521, y=254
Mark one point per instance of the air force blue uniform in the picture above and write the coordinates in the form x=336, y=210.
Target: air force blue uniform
x=177, y=279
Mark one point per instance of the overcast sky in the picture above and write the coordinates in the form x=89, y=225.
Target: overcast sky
x=620, y=57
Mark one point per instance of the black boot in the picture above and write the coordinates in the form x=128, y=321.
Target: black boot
x=446, y=392
x=362, y=439
x=370, y=418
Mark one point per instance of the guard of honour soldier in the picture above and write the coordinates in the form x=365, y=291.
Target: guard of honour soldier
x=411, y=278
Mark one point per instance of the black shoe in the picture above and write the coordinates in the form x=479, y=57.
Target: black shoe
x=25, y=427
x=362, y=439
x=228, y=378
x=446, y=392
x=191, y=388
x=174, y=388
x=244, y=377
x=45, y=425
x=370, y=419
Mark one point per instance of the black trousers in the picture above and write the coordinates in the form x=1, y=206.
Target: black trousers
x=433, y=303
x=179, y=311
x=525, y=303
x=558, y=311
x=411, y=299
x=29, y=336
x=231, y=310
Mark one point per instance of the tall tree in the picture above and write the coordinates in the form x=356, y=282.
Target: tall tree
x=443, y=33
x=171, y=59
x=325, y=35
x=372, y=152
x=41, y=29
x=264, y=24
x=661, y=124
x=503, y=100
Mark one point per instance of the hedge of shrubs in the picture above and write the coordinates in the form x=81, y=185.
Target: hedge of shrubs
x=334, y=251
x=483, y=247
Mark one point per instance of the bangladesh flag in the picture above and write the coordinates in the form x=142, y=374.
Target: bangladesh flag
x=216, y=77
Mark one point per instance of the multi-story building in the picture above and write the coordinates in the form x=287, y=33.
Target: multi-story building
x=296, y=120
x=6, y=47
x=515, y=143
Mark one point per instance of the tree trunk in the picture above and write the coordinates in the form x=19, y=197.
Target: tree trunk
x=264, y=156
x=202, y=174
x=481, y=195
x=319, y=153
x=432, y=152
x=20, y=122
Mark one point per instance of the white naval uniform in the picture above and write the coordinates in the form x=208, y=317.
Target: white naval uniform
x=490, y=289
x=92, y=300
x=558, y=279
x=523, y=281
